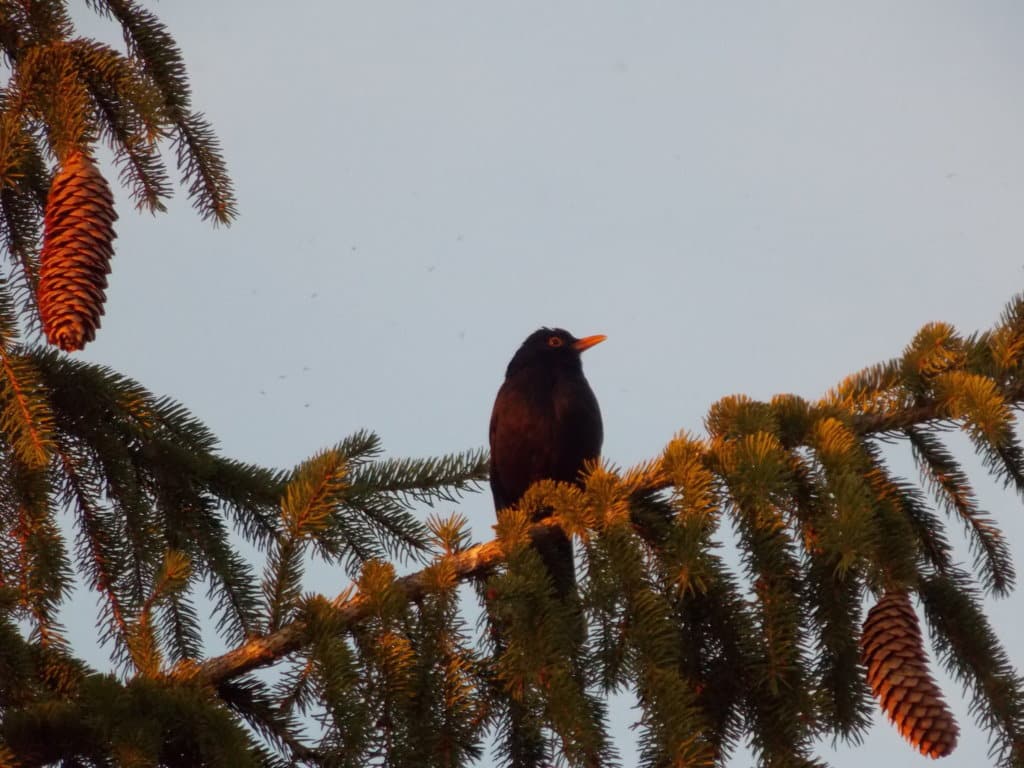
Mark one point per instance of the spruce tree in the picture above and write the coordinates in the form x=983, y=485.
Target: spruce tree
x=105, y=485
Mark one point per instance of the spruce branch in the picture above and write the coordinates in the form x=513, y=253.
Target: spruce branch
x=482, y=558
x=26, y=419
x=178, y=628
x=253, y=701
x=350, y=610
x=819, y=520
x=932, y=413
x=198, y=151
x=98, y=557
x=992, y=558
x=675, y=473
x=970, y=651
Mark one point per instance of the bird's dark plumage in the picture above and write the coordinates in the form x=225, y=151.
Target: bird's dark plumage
x=545, y=424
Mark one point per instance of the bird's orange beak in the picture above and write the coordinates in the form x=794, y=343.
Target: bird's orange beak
x=588, y=341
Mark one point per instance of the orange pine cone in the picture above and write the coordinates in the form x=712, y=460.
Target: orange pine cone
x=892, y=650
x=78, y=236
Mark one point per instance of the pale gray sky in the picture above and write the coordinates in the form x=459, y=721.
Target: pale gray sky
x=746, y=197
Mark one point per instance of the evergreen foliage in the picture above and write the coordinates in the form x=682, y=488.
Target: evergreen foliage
x=108, y=487
x=66, y=94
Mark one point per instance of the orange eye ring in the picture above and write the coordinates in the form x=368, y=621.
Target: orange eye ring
x=555, y=341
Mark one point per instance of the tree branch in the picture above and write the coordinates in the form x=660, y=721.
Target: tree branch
x=900, y=420
x=480, y=559
x=263, y=651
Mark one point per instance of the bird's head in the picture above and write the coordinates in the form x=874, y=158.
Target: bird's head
x=552, y=348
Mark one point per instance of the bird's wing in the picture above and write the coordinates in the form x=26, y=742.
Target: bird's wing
x=521, y=447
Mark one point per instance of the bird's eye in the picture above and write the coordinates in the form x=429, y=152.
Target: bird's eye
x=555, y=341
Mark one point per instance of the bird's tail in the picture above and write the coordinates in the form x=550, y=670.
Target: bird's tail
x=527, y=748
x=555, y=550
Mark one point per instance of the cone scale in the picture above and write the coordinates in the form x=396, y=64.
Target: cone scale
x=897, y=671
x=78, y=236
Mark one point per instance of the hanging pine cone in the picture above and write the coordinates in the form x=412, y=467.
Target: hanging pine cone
x=78, y=236
x=892, y=650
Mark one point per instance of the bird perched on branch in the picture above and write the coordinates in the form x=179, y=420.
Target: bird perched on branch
x=545, y=424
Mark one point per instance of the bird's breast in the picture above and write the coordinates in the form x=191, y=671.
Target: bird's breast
x=541, y=427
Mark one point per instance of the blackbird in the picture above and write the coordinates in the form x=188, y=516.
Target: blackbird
x=545, y=424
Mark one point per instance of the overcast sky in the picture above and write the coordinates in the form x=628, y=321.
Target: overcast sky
x=746, y=197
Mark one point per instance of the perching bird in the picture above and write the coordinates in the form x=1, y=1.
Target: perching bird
x=545, y=424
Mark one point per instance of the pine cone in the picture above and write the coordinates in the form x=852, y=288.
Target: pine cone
x=892, y=650
x=78, y=237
